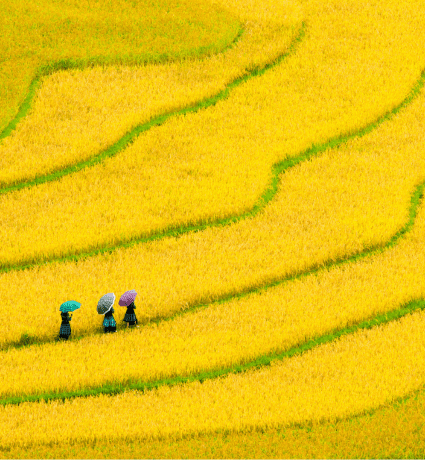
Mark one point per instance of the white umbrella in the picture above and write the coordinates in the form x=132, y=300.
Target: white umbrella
x=105, y=303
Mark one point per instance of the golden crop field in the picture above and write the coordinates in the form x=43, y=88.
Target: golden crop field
x=39, y=37
x=259, y=186
x=106, y=103
x=184, y=272
x=351, y=375
x=199, y=183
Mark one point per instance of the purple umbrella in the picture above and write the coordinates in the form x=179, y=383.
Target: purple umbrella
x=127, y=298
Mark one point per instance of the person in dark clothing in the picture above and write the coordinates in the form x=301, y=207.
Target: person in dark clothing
x=109, y=322
x=65, y=329
x=130, y=317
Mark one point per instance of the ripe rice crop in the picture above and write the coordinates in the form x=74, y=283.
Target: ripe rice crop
x=227, y=334
x=351, y=375
x=388, y=432
x=77, y=114
x=304, y=306
x=324, y=210
x=40, y=34
x=179, y=192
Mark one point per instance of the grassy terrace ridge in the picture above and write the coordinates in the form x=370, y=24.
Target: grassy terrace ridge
x=80, y=64
x=267, y=196
x=132, y=135
x=265, y=360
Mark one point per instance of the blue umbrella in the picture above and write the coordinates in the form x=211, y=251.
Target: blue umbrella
x=69, y=305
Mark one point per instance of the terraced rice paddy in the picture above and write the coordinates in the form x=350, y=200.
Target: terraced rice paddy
x=260, y=188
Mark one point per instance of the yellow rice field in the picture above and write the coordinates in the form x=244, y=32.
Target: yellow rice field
x=57, y=34
x=395, y=431
x=76, y=114
x=227, y=333
x=324, y=210
x=200, y=182
x=221, y=295
x=352, y=375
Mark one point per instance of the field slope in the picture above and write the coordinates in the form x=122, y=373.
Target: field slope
x=260, y=186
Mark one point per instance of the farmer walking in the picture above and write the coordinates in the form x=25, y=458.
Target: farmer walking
x=105, y=307
x=65, y=308
x=127, y=300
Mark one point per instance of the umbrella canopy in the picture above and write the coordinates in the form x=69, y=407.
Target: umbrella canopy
x=105, y=303
x=69, y=305
x=127, y=298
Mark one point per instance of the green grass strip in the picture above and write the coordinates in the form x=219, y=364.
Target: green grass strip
x=314, y=150
x=23, y=109
x=81, y=64
x=265, y=360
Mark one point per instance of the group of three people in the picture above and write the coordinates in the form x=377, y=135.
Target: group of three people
x=109, y=324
